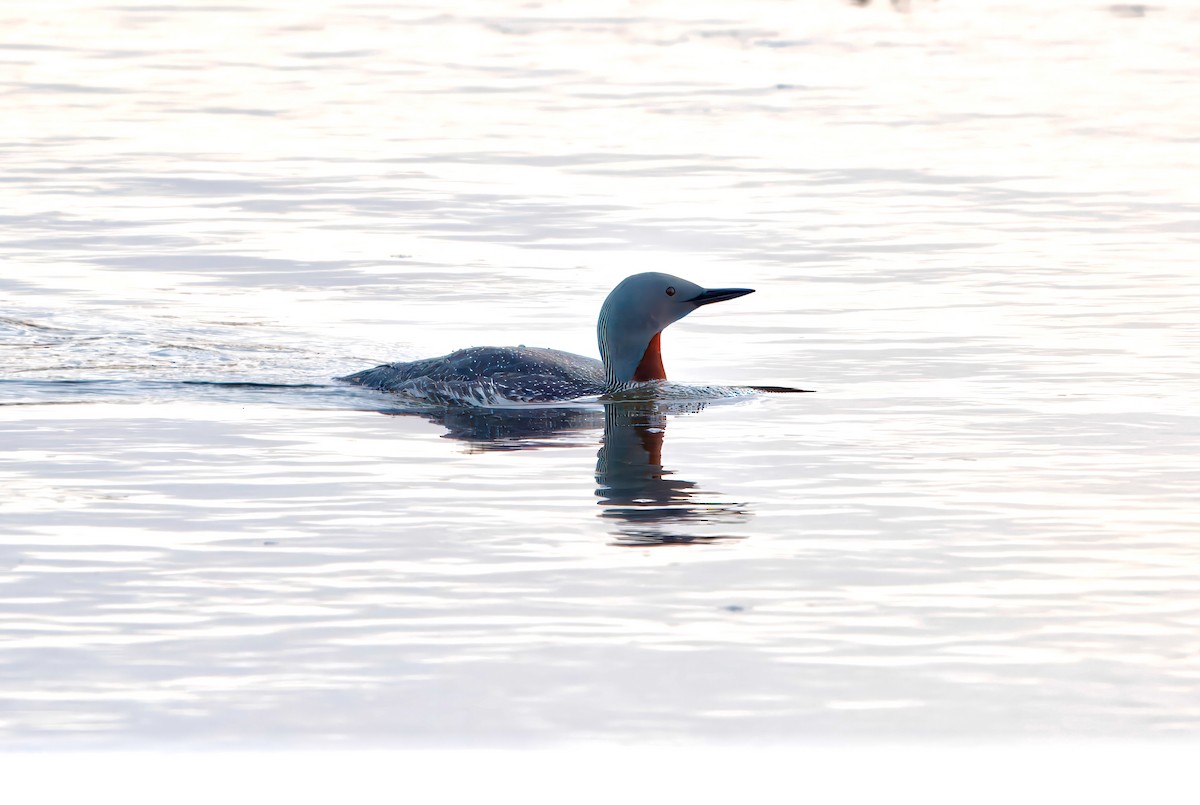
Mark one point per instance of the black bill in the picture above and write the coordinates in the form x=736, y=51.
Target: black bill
x=718, y=295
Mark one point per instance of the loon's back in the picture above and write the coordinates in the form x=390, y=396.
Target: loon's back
x=489, y=376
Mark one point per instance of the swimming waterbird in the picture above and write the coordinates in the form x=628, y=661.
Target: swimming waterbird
x=629, y=331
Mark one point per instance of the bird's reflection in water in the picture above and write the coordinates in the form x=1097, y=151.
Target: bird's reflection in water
x=647, y=504
x=485, y=429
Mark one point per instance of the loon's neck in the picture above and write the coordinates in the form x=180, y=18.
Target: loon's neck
x=651, y=366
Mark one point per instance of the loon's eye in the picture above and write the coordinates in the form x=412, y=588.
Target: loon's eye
x=670, y=290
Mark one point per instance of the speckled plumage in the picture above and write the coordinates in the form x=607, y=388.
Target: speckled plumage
x=486, y=376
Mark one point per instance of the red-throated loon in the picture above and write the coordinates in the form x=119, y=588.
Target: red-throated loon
x=629, y=330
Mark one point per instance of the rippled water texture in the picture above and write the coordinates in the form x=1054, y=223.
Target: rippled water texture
x=973, y=228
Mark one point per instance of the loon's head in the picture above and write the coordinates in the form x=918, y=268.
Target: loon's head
x=635, y=314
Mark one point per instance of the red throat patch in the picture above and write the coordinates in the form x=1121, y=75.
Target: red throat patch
x=651, y=367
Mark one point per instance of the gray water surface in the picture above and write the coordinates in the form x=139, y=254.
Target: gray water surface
x=974, y=230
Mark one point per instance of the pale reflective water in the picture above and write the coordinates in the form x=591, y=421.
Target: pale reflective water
x=974, y=229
